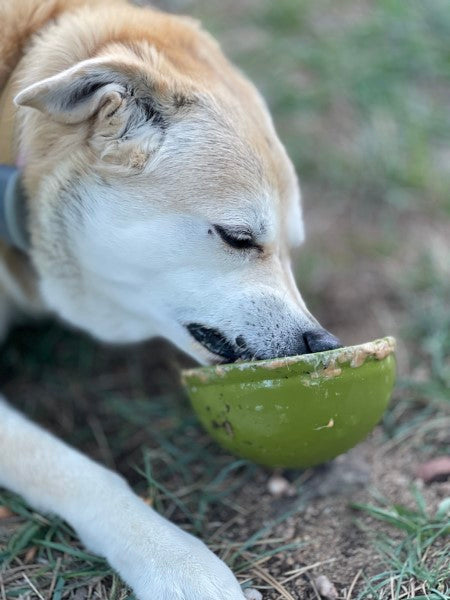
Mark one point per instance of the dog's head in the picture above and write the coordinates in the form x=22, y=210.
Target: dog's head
x=167, y=206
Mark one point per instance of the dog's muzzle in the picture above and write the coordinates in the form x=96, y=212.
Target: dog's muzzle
x=315, y=340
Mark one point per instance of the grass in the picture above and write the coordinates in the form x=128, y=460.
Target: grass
x=62, y=567
x=367, y=80
x=359, y=93
x=47, y=543
x=424, y=398
x=418, y=561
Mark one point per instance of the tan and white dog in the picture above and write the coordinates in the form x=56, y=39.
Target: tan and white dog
x=157, y=200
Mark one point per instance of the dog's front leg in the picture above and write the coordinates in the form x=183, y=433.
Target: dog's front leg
x=159, y=560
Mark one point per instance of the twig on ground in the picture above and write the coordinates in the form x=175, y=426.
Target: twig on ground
x=33, y=587
x=2, y=588
x=55, y=575
x=297, y=572
x=265, y=576
x=352, y=585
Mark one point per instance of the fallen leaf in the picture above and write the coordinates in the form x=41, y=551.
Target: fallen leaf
x=436, y=469
x=5, y=513
x=29, y=556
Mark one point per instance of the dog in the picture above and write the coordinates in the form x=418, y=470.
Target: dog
x=147, y=194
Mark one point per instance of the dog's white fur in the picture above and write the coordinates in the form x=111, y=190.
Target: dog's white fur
x=124, y=246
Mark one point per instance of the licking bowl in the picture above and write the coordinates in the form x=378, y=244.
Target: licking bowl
x=297, y=411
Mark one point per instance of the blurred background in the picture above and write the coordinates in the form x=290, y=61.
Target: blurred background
x=360, y=94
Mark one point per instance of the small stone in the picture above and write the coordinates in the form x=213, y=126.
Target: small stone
x=279, y=486
x=325, y=588
x=252, y=594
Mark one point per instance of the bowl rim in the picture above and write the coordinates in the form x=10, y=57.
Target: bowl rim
x=353, y=356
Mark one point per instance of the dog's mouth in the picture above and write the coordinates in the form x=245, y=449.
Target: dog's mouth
x=215, y=342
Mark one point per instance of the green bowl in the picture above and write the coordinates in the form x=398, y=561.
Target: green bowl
x=296, y=411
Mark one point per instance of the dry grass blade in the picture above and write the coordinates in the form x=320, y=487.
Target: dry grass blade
x=352, y=585
x=2, y=588
x=33, y=587
x=55, y=575
x=265, y=576
x=102, y=441
x=254, y=562
x=12, y=574
x=262, y=542
x=420, y=430
x=221, y=530
x=297, y=572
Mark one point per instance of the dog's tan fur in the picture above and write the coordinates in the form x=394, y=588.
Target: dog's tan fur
x=172, y=52
x=188, y=60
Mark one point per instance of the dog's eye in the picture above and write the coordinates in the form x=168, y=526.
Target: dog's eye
x=241, y=240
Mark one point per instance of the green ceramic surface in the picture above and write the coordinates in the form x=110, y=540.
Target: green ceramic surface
x=296, y=411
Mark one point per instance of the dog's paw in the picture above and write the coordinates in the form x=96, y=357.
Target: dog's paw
x=197, y=575
x=161, y=562
x=182, y=568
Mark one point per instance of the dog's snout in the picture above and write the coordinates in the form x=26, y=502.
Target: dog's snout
x=319, y=340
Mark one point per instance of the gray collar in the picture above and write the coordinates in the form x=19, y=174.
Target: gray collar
x=13, y=214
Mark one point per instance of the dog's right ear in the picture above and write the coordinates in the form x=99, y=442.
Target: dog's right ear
x=132, y=103
x=78, y=93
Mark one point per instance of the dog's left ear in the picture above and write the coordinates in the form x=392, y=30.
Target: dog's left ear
x=128, y=105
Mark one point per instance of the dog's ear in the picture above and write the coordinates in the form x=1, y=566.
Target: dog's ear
x=78, y=93
x=129, y=104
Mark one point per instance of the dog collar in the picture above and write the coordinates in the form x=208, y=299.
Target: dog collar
x=13, y=209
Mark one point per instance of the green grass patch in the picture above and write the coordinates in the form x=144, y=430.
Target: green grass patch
x=417, y=558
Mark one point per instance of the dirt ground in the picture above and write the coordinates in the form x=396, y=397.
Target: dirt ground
x=313, y=523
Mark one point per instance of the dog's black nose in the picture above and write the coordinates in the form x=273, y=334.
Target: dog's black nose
x=319, y=340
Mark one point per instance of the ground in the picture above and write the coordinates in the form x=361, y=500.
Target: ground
x=359, y=93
